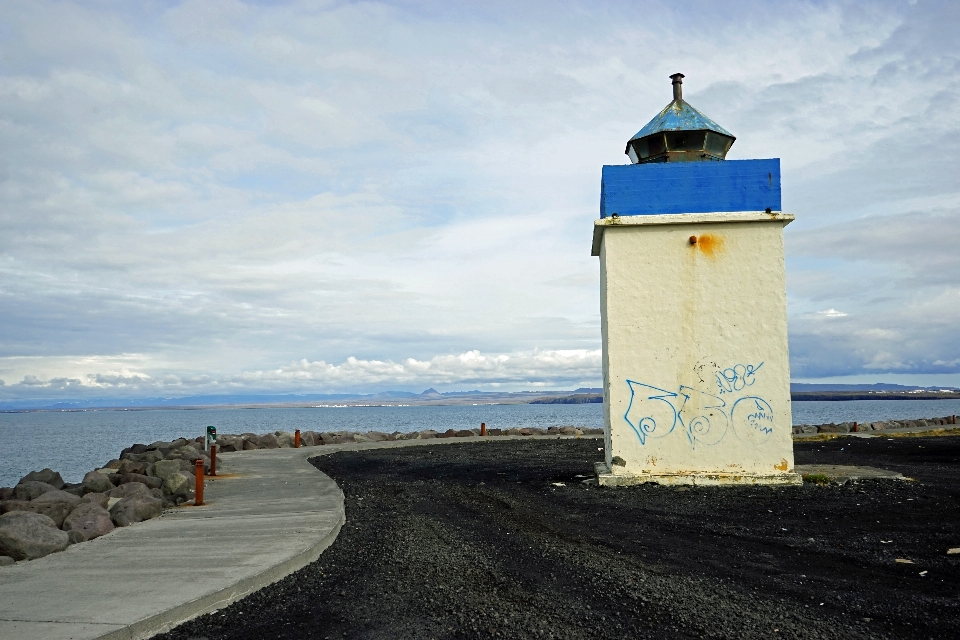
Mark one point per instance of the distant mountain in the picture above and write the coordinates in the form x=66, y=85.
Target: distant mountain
x=799, y=387
x=186, y=401
x=389, y=395
x=430, y=396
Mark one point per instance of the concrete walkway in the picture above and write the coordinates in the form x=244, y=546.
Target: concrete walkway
x=276, y=515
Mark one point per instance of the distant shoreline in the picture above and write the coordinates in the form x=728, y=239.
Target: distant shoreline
x=843, y=396
x=803, y=396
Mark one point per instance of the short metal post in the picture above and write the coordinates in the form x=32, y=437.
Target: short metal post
x=483, y=428
x=296, y=439
x=198, y=490
x=213, y=460
x=856, y=426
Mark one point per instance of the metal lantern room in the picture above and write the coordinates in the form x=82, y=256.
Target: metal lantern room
x=679, y=133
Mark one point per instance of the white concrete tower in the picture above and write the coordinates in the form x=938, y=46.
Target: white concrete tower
x=696, y=375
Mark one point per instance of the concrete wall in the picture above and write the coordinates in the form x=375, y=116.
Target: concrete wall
x=695, y=362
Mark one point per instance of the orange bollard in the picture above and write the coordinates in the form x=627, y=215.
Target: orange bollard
x=296, y=439
x=856, y=426
x=198, y=473
x=483, y=428
x=213, y=460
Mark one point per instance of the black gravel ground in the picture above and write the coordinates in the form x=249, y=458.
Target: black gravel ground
x=502, y=539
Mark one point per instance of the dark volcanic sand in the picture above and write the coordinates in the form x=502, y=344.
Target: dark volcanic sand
x=475, y=541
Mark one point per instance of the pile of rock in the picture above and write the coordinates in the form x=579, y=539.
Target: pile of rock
x=286, y=439
x=281, y=439
x=853, y=427
x=43, y=514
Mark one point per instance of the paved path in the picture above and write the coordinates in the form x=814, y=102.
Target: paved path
x=277, y=515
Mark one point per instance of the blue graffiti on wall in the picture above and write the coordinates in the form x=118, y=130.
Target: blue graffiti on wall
x=737, y=377
x=703, y=417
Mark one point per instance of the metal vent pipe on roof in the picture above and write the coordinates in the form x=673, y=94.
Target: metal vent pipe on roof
x=677, y=86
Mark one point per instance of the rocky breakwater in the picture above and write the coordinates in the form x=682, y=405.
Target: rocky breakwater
x=884, y=425
x=279, y=439
x=43, y=514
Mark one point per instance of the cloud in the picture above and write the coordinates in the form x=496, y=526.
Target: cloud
x=897, y=277
x=555, y=369
x=220, y=188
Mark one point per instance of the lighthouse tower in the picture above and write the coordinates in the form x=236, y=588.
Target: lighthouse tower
x=696, y=375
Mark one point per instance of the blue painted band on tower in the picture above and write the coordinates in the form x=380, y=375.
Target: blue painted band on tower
x=690, y=187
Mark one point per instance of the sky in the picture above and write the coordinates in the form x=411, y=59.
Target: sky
x=224, y=197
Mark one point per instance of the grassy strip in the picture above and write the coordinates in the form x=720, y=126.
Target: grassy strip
x=922, y=434
x=820, y=437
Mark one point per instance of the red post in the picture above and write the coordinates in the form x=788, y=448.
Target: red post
x=213, y=460
x=483, y=428
x=856, y=426
x=198, y=474
x=296, y=439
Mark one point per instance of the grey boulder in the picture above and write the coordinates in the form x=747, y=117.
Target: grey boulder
x=187, y=453
x=26, y=536
x=31, y=489
x=100, y=499
x=151, y=457
x=96, y=482
x=833, y=428
x=138, y=468
x=13, y=505
x=166, y=468
x=269, y=441
x=126, y=478
x=6, y=561
x=187, y=468
x=178, y=483
x=59, y=496
x=284, y=439
x=227, y=443
x=135, y=509
x=131, y=489
x=48, y=476
x=87, y=521
x=57, y=507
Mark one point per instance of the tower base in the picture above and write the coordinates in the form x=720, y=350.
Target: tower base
x=605, y=478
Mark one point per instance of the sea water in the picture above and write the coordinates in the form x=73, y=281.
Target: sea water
x=74, y=442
